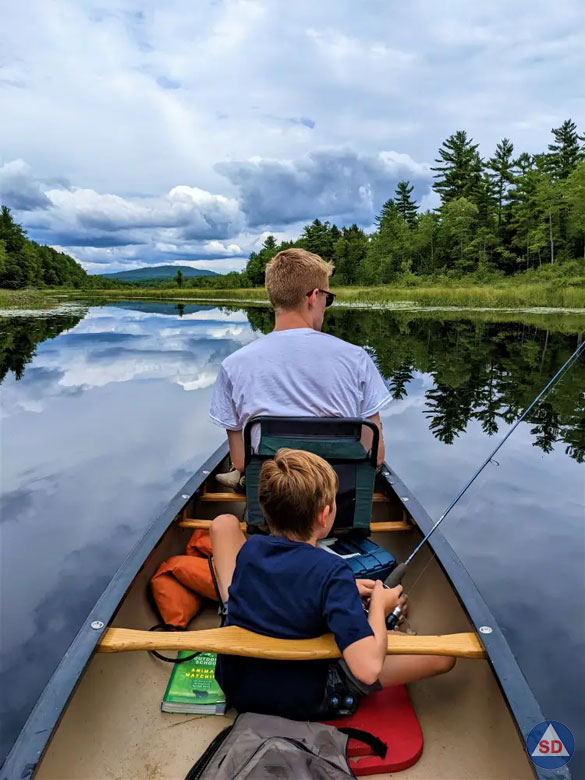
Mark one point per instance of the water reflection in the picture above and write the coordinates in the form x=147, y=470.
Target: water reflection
x=484, y=371
x=105, y=417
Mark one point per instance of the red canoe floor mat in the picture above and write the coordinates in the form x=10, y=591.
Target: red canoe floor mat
x=389, y=715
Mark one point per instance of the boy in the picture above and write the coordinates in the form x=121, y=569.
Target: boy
x=284, y=585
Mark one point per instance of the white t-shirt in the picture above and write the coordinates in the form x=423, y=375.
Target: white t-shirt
x=299, y=372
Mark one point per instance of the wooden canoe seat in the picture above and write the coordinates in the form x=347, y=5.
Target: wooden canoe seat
x=391, y=525
x=232, y=640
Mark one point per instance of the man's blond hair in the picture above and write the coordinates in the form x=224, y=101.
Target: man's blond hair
x=294, y=487
x=291, y=274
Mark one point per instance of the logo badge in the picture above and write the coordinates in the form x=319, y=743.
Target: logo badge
x=550, y=745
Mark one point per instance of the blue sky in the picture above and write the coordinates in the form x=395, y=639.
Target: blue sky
x=176, y=131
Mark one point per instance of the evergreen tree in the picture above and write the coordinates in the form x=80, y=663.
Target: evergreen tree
x=459, y=167
x=566, y=151
x=390, y=248
x=179, y=278
x=256, y=267
x=406, y=207
x=318, y=237
x=575, y=199
x=501, y=166
x=350, y=252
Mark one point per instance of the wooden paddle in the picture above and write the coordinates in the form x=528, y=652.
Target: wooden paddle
x=232, y=640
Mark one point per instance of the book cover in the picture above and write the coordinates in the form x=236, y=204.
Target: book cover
x=193, y=688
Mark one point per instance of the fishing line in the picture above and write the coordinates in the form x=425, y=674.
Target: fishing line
x=396, y=576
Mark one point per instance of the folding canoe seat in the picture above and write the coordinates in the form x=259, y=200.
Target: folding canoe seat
x=350, y=445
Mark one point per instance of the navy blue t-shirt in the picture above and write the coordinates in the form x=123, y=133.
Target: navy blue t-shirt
x=289, y=590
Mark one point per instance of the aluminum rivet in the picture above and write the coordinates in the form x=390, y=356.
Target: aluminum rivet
x=185, y=495
x=97, y=624
x=485, y=630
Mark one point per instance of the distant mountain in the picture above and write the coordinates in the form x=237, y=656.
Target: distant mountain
x=157, y=272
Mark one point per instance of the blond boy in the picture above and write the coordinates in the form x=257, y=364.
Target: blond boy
x=284, y=585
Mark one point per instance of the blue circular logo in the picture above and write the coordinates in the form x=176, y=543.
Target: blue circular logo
x=550, y=744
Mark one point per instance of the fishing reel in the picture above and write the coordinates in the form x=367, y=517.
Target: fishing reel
x=394, y=579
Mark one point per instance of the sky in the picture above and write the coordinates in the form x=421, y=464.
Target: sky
x=181, y=132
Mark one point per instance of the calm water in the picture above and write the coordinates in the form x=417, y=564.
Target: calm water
x=104, y=417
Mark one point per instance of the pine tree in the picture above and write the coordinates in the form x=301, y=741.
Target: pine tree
x=575, y=198
x=406, y=207
x=318, y=237
x=458, y=173
x=179, y=278
x=566, y=152
x=256, y=267
x=502, y=167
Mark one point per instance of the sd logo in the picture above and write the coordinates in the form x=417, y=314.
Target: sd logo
x=550, y=744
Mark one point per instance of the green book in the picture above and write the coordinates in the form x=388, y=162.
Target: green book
x=193, y=688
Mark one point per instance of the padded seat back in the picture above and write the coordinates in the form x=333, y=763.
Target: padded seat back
x=350, y=445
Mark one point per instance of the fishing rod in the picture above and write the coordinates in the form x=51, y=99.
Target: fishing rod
x=395, y=578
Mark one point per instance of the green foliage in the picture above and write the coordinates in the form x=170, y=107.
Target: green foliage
x=405, y=205
x=24, y=263
x=459, y=168
x=350, y=252
x=179, y=278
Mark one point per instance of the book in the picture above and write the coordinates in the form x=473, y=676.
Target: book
x=193, y=688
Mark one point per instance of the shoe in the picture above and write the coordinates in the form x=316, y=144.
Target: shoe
x=230, y=480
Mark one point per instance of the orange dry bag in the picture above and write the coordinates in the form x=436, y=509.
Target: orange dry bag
x=180, y=583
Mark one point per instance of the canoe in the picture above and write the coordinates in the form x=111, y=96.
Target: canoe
x=99, y=716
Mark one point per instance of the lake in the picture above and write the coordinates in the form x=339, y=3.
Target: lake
x=104, y=417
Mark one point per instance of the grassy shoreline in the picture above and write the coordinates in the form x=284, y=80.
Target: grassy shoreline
x=504, y=296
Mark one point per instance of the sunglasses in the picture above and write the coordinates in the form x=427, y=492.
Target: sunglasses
x=329, y=296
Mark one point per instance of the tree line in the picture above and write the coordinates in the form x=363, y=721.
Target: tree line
x=24, y=263
x=498, y=215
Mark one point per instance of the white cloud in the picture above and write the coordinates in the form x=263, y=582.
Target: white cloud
x=136, y=108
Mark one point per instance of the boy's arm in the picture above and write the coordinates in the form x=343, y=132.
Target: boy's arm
x=236, y=442
x=365, y=657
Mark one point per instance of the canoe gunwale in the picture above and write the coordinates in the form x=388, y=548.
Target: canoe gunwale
x=524, y=707
x=34, y=736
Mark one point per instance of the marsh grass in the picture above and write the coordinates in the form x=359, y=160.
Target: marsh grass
x=28, y=299
x=565, y=293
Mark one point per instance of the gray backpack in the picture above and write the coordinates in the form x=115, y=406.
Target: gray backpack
x=266, y=747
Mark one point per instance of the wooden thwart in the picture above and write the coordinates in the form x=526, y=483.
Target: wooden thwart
x=232, y=640
x=377, y=498
x=391, y=525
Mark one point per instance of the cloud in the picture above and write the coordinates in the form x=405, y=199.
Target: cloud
x=19, y=189
x=134, y=103
x=336, y=183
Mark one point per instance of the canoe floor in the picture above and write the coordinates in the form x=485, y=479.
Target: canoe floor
x=113, y=728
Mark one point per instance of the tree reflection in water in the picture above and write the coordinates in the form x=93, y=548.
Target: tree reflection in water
x=481, y=370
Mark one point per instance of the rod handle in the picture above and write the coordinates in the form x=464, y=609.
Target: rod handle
x=395, y=576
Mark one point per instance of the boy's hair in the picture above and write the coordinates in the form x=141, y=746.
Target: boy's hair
x=291, y=274
x=294, y=487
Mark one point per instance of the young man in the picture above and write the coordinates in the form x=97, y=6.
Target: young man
x=284, y=585
x=296, y=371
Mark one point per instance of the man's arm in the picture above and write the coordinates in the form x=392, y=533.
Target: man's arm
x=381, y=447
x=236, y=442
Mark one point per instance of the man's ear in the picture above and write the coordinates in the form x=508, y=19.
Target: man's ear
x=312, y=298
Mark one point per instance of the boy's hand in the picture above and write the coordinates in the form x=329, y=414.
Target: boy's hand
x=365, y=588
x=393, y=597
